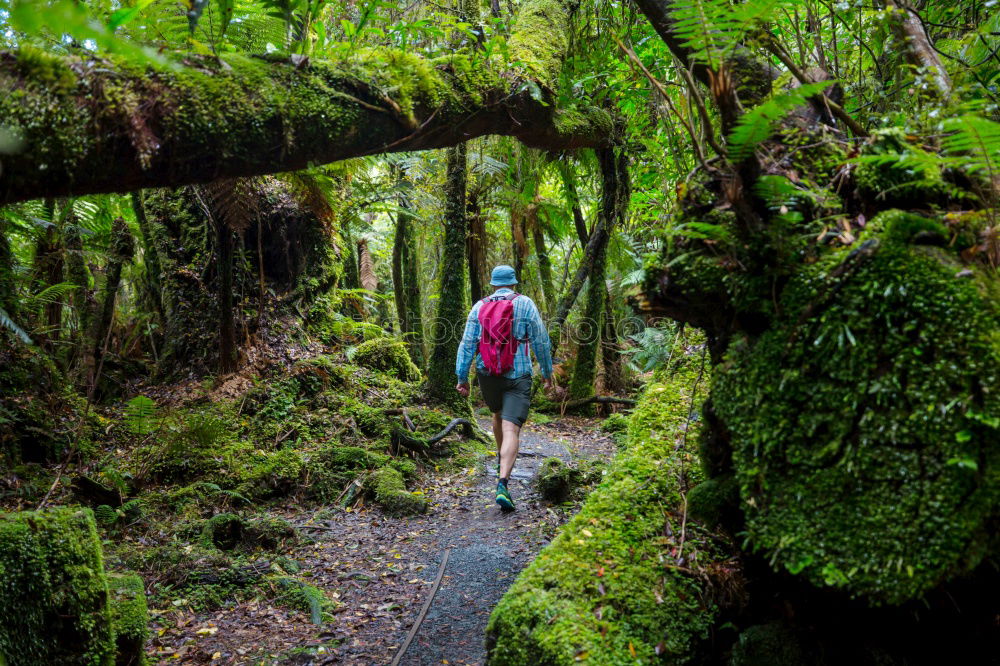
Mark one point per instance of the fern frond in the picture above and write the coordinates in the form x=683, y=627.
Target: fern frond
x=977, y=140
x=12, y=326
x=759, y=124
x=54, y=293
x=140, y=415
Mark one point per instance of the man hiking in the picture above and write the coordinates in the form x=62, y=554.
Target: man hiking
x=499, y=330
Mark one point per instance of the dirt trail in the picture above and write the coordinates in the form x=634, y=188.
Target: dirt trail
x=381, y=570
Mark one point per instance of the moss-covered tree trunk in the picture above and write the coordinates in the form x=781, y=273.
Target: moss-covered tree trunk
x=406, y=286
x=611, y=357
x=8, y=278
x=614, y=201
x=150, y=257
x=47, y=270
x=588, y=331
x=122, y=251
x=453, y=306
x=233, y=115
x=544, y=264
x=572, y=197
x=478, y=272
x=227, y=329
x=82, y=297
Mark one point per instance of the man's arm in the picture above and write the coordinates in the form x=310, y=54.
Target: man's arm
x=467, y=347
x=540, y=342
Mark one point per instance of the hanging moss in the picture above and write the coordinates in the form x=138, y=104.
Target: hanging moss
x=864, y=423
x=53, y=590
x=129, y=617
x=615, y=587
x=386, y=355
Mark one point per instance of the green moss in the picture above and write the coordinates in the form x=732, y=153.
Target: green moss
x=864, y=423
x=897, y=226
x=386, y=355
x=53, y=590
x=298, y=595
x=713, y=501
x=391, y=494
x=129, y=617
x=609, y=586
x=273, y=473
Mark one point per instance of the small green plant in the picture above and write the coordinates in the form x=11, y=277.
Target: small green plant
x=651, y=350
x=141, y=415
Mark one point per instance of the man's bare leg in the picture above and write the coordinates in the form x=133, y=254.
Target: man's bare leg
x=498, y=432
x=508, y=451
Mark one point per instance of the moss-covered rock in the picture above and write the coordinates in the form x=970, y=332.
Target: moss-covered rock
x=298, y=595
x=391, y=493
x=386, y=355
x=864, y=424
x=223, y=531
x=53, y=590
x=615, y=586
x=556, y=480
x=129, y=618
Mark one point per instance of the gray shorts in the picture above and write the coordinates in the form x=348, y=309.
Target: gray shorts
x=510, y=397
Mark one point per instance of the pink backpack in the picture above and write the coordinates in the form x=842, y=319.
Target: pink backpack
x=497, y=344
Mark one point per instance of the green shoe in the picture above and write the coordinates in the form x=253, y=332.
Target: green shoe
x=503, y=498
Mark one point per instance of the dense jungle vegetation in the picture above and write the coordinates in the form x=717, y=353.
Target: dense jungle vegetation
x=239, y=240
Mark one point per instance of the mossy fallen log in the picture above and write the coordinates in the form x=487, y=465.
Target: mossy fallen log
x=630, y=579
x=199, y=119
x=53, y=590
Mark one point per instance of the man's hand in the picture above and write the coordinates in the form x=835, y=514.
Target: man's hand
x=548, y=384
x=463, y=388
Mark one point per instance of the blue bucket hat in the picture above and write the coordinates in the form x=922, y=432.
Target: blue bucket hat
x=503, y=276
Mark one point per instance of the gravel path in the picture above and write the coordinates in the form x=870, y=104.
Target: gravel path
x=381, y=571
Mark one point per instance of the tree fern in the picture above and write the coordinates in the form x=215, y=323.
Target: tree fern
x=758, y=124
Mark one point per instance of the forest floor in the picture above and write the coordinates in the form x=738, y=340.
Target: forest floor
x=381, y=570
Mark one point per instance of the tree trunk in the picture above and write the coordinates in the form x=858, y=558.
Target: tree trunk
x=611, y=357
x=227, y=333
x=614, y=202
x=573, y=201
x=544, y=264
x=151, y=258
x=588, y=331
x=122, y=251
x=452, y=304
x=82, y=298
x=232, y=115
x=406, y=287
x=8, y=279
x=478, y=277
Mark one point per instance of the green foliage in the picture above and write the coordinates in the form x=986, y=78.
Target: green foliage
x=652, y=348
x=301, y=596
x=975, y=143
x=11, y=325
x=556, y=480
x=758, y=124
x=54, y=590
x=140, y=415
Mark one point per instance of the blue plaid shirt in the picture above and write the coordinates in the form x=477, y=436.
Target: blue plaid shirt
x=528, y=325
